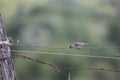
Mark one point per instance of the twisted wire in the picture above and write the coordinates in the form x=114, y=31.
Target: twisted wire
x=53, y=47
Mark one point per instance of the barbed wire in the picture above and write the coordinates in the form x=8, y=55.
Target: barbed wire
x=58, y=68
x=65, y=54
x=53, y=47
x=37, y=60
x=96, y=69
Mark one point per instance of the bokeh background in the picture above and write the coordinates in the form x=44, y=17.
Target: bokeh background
x=60, y=23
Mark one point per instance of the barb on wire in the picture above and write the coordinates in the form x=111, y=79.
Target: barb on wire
x=65, y=54
x=53, y=47
x=37, y=60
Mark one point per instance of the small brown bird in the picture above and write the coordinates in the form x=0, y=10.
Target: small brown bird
x=77, y=45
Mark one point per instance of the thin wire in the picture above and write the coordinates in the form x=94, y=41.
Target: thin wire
x=53, y=47
x=64, y=54
x=95, y=69
x=33, y=45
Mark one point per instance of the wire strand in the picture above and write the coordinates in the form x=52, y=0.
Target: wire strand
x=53, y=47
x=95, y=69
x=64, y=54
x=38, y=61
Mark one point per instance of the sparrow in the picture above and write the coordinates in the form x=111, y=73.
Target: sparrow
x=77, y=45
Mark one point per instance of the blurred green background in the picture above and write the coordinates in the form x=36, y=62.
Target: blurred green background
x=60, y=23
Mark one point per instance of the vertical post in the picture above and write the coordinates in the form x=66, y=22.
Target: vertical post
x=6, y=62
